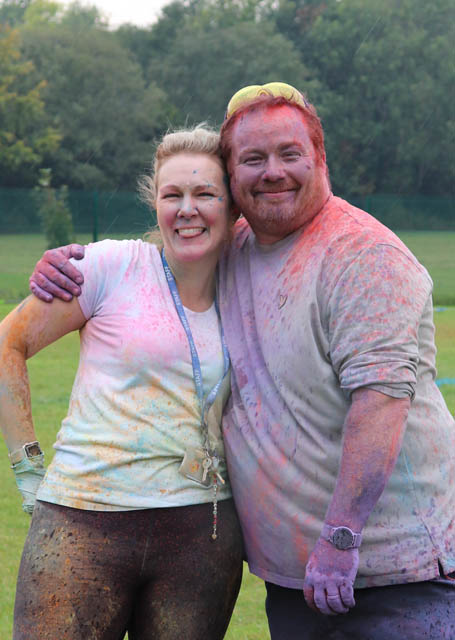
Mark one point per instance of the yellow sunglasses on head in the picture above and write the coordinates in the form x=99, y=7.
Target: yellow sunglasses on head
x=276, y=89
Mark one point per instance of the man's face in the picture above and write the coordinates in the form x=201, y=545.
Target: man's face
x=276, y=179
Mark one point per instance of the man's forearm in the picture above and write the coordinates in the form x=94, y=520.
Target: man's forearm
x=373, y=434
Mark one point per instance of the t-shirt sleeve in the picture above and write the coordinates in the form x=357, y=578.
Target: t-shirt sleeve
x=103, y=264
x=375, y=310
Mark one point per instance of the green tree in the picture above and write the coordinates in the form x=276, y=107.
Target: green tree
x=386, y=72
x=294, y=18
x=79, y=17
x=26, y=136
x=42, y=12
x=206, y=65
x=107, y=114
x=139, y=41
x=228, y=13
x=201, y=51
x=158, y=40
x=12, y=12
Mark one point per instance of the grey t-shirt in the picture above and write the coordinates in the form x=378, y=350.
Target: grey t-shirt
x=339, y=305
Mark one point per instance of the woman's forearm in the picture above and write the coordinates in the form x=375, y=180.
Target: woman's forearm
x=15, y=405
x=25, y=331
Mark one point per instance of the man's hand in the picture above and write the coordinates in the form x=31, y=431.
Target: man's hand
x=54, y=275
x=329, y=578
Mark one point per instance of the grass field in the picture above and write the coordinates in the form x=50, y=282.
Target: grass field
x=18, y=254
x=51, y=375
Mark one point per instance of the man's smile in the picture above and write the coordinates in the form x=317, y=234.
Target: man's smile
x=275, y=195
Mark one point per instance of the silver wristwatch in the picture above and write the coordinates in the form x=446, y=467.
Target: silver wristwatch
x=342, y=538
x=28, y=450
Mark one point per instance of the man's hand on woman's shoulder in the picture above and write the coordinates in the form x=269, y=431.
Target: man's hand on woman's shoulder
x=55, y=276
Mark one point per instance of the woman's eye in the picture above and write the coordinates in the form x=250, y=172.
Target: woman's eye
x=253, y=160
x=207, y=194
x=170, y=195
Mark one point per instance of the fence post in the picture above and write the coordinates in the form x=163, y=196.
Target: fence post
x=95, y=216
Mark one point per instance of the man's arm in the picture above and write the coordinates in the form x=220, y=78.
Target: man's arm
x=373, y=433
x=55, y=276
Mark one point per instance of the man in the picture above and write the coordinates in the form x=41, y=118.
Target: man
x=341, y=450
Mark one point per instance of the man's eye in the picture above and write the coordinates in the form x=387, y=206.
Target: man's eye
x=291, y=155
x=170, y=195
x=207, y=194
x=253, y=160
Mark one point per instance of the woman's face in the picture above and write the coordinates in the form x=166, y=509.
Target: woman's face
x=193, y=207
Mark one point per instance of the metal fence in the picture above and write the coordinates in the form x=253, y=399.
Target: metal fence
x=408, y=213
x=96, y=212
x=121, y=212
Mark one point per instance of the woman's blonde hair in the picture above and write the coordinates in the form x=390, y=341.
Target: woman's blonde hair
x=200, y=139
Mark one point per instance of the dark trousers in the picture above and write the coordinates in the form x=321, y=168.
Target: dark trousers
x=156, y=573
x=416, y=611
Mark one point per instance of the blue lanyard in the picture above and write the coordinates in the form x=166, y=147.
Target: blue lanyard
x=197, y=372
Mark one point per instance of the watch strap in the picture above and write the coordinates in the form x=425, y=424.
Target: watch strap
x=28, y=450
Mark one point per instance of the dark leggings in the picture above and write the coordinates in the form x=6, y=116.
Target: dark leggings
x=156, y=573
x=413, y=611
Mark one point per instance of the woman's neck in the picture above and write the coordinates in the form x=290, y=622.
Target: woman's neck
x=195, y=284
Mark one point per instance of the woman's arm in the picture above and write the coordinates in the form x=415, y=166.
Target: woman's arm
x=25, y=331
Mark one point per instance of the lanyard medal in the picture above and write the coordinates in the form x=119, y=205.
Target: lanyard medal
x=200, y=465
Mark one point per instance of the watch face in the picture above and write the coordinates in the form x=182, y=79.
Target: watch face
x=343, y=538
x=32, y=450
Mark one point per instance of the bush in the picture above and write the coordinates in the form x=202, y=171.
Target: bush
x=54, y=212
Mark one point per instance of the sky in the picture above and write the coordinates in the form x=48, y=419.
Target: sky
x=138, y=12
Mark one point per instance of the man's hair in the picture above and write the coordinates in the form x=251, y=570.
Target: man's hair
x=267, y=100
x=200, y=139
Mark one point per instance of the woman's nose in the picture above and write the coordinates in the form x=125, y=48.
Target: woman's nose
x=187, y=207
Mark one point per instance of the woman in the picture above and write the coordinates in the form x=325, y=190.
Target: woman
x=134, y=528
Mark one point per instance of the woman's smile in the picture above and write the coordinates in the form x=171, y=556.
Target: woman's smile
x=190, y=232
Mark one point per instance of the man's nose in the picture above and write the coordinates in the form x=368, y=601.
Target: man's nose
x=274, y=169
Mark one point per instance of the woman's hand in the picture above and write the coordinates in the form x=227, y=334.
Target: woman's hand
x=28, y=473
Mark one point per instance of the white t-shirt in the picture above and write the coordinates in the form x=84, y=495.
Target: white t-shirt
x=133, y=408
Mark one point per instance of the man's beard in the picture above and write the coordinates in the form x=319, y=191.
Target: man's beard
x=286, y=218
x=272, y=217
